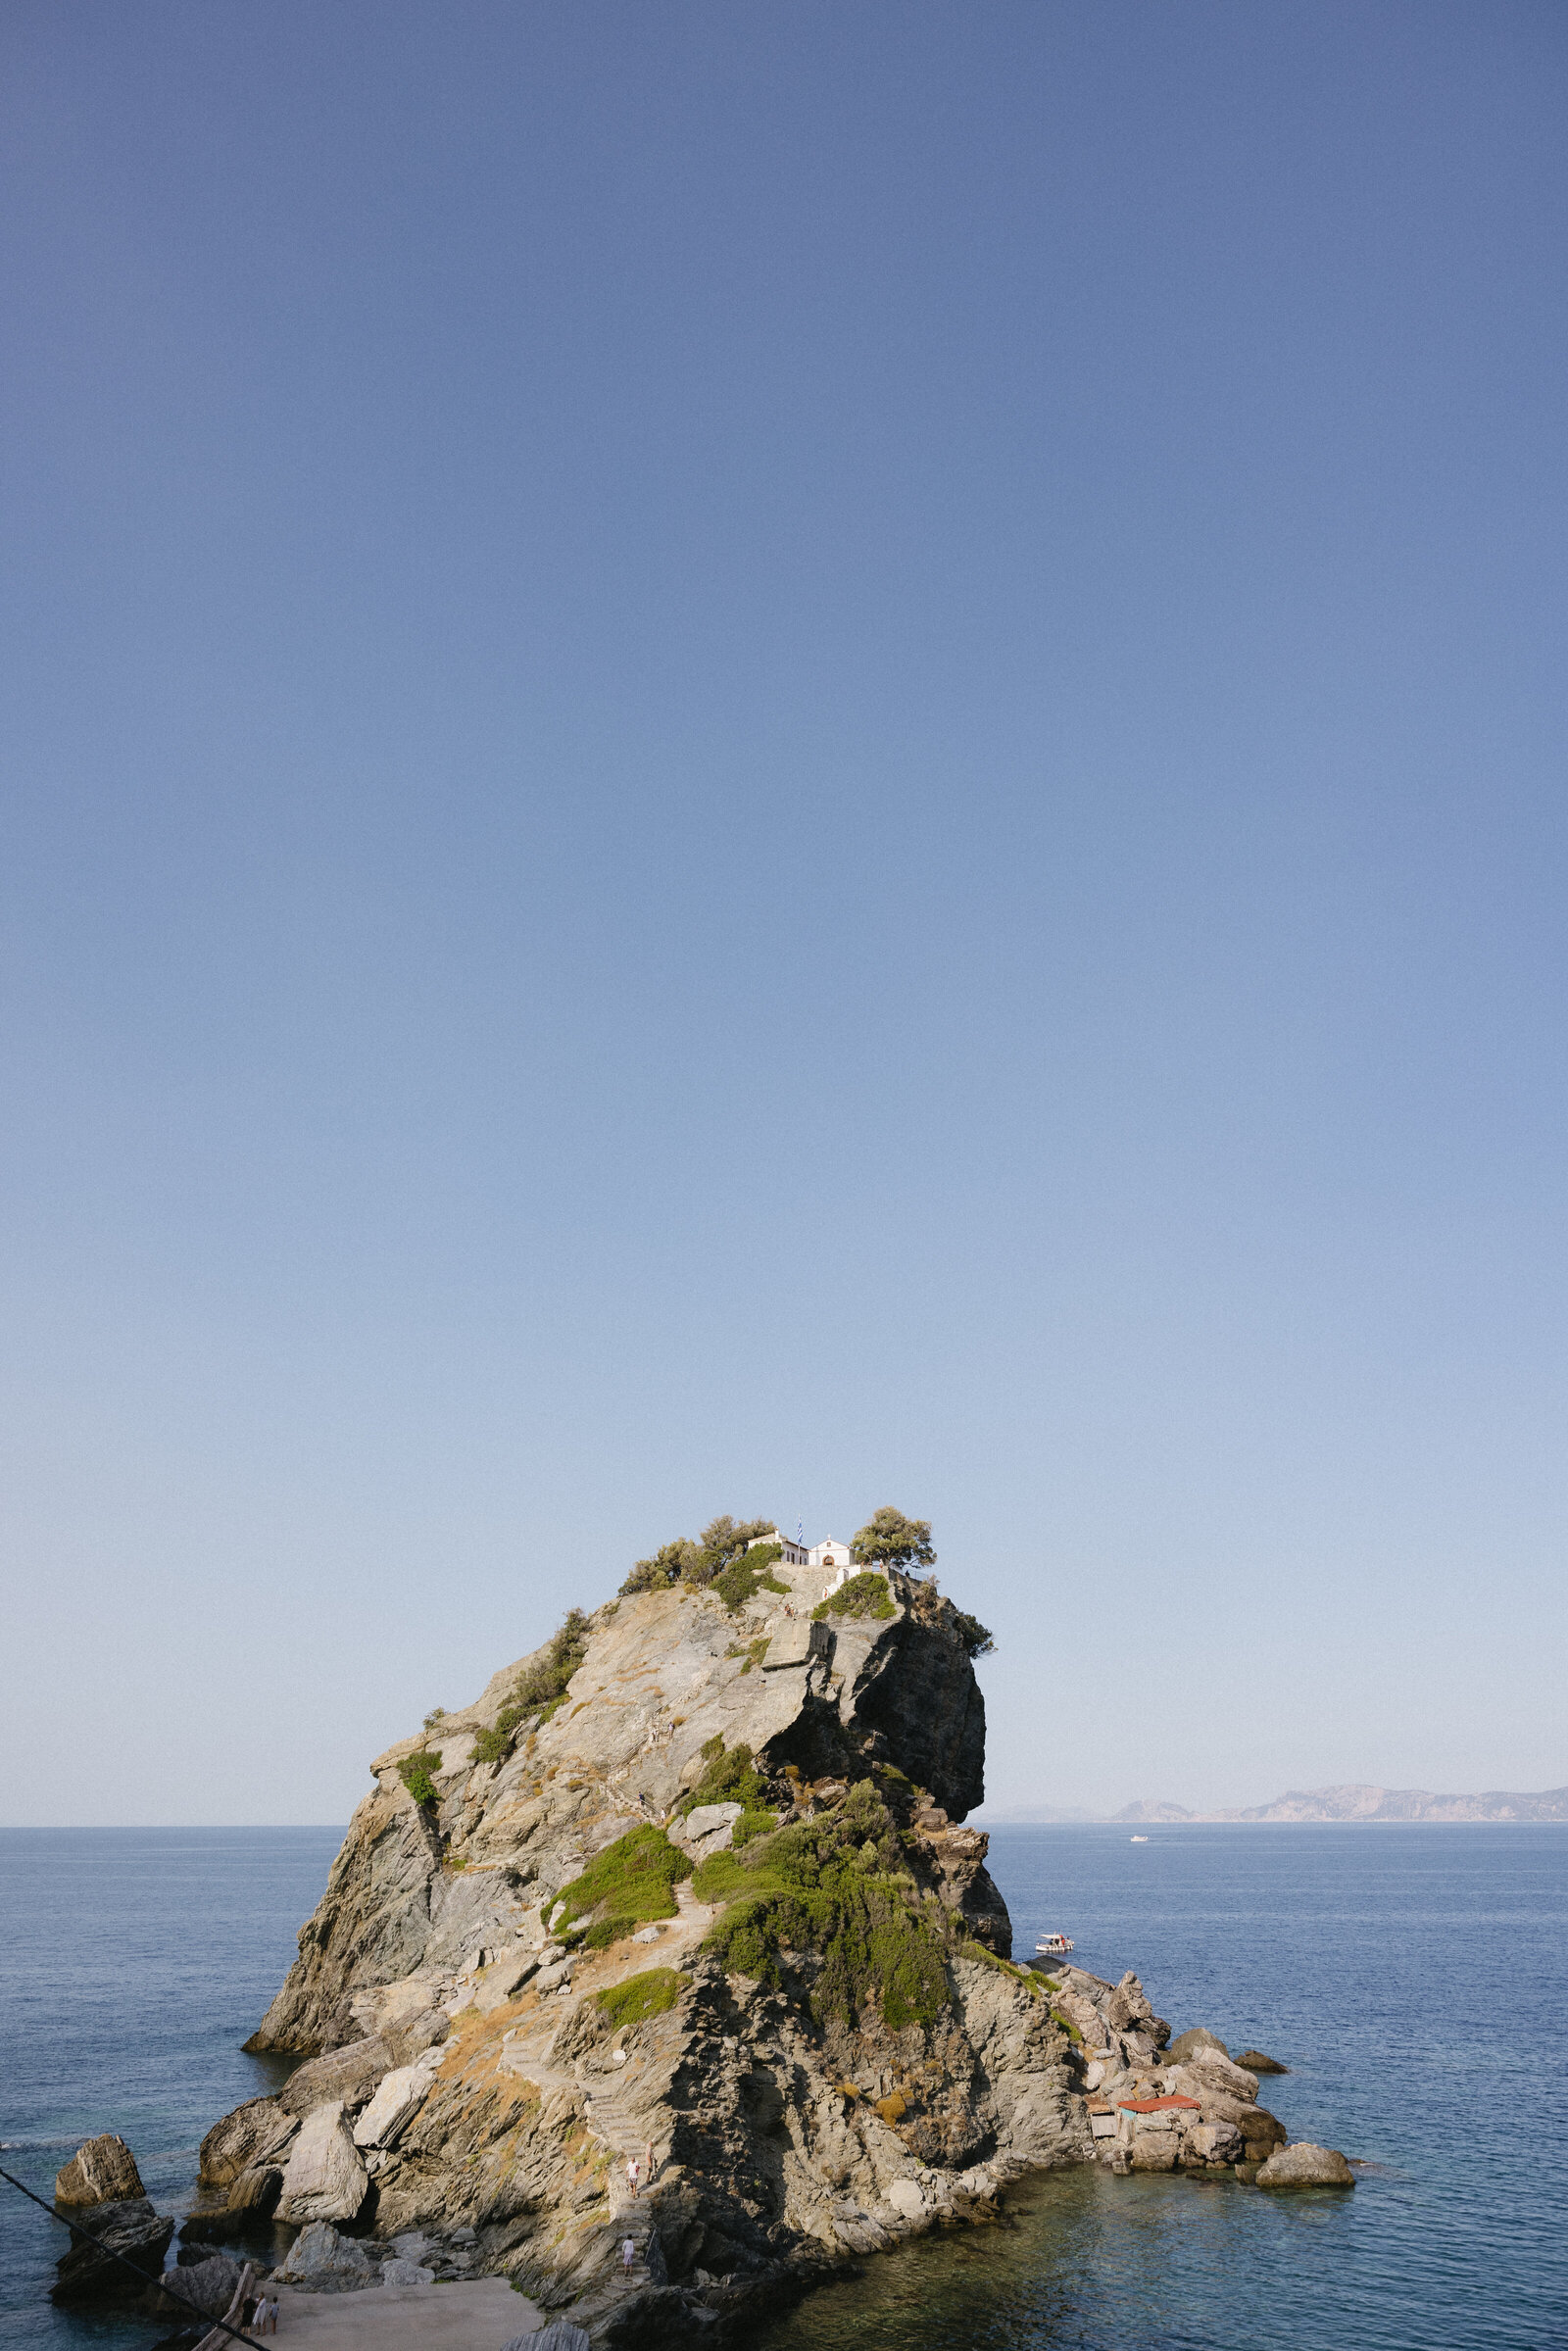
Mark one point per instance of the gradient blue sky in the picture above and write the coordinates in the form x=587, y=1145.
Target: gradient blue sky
x=767, y=758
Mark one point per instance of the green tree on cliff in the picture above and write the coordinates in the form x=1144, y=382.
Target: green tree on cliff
x=890, y=1539
x=683, y=1561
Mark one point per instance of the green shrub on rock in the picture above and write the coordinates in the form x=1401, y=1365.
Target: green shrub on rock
x=655, y=1989
x=633, y=1880
x=837, y=1886
x=861, y=1596
x=749, y=1573
x=540, y=1691
x=722, y=1542
x=977, y=1638
x=729, y=1779
x=414, y=1772
x=545, y=1684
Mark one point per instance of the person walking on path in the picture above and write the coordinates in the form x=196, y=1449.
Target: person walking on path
x=633, y=2170
x=628, y=2254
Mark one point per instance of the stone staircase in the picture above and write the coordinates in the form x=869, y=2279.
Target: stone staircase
x=616, y=2129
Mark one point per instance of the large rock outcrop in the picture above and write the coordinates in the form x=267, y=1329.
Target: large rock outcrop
x=90, y=2272
x=324, y=2179
x=712, y=1908
x=101, y=2172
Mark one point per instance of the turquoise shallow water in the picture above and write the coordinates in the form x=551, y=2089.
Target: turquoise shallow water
x=1414, y=1977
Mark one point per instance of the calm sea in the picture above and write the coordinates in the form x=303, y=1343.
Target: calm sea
x=1414, y=1977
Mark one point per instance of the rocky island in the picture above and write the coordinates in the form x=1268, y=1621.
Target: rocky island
x=689, y=1889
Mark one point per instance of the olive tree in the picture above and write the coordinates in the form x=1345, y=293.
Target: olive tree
x=684, y=1561
x=890, y=1539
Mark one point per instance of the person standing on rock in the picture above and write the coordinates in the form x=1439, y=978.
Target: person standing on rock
x=633, y=2174
x=628, y=2254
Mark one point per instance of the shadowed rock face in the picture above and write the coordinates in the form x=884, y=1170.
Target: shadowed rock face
x=86, y=2274
x=482, y=2079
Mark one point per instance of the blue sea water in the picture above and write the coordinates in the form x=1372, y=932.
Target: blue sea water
x=1414, y=1977
x=133, y=1963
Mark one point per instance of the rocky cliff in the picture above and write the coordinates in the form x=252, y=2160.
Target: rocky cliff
x=709, y=1908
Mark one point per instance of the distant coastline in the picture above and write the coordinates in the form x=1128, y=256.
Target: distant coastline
x=1356, y=1801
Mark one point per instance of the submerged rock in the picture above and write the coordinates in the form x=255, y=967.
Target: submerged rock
x=1305, y=2166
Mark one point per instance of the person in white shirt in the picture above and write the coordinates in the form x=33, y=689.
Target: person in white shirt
x=628, y=2254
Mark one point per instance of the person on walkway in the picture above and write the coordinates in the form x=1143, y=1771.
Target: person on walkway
x=633, y=2174
x=270, y=2306
x=628, y=2253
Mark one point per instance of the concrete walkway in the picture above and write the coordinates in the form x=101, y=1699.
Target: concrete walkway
x=477, y=2314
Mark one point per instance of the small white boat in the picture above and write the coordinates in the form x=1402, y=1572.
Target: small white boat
x=1053, y=1946
x=1137, y=1841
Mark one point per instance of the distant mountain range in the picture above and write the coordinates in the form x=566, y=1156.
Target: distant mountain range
x=1359, y=1802
x=1029, y=1816
x=1355, y=1803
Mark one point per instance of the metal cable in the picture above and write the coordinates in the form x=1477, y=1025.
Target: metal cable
x=77, y=2230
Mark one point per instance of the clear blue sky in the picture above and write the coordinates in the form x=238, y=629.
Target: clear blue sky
x=771, y=758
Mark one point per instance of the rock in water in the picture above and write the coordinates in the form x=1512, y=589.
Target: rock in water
x=1184, y=2043
x=102, y=2172
x=1305, y=2166
x=822, y=2050
x=86, y=2274
x=322, y=2262
x=325, y=2181
x=1257, y=2063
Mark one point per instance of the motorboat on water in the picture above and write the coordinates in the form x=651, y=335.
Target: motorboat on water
x=1137, y=1841
x=1053, y=1946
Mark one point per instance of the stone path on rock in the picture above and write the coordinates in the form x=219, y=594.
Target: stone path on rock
x=608, y=2118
